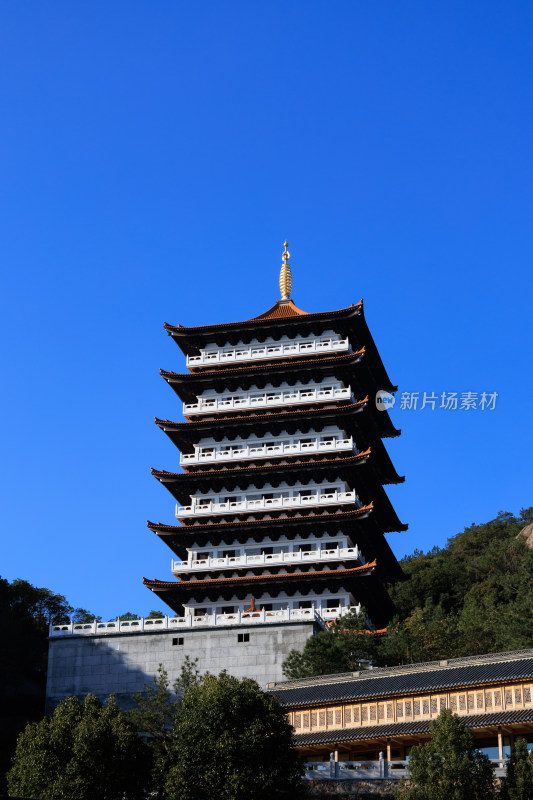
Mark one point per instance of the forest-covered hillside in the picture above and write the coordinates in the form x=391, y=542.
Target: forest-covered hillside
x=472, y=596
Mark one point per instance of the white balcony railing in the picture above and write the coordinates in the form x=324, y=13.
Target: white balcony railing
x=259, y=352
x=373, y=770
x=270, y=399
x=266, y=559
x=201, y=621
x=236, y=452
x=324, y=498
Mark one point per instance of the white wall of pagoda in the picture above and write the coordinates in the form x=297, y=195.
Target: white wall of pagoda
x=329, y=605
x=256, y=546
x=329, y=440
x=271, y=396
x=270, y=498
x=266, y=349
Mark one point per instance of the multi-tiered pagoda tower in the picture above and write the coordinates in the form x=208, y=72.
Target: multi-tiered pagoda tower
x=280, y=502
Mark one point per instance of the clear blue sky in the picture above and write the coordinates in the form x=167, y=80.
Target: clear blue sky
x=154, y=158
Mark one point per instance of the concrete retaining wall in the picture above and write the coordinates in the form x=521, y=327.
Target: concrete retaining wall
x=123, y=663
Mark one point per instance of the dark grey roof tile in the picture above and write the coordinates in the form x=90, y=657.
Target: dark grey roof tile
x=435, y=679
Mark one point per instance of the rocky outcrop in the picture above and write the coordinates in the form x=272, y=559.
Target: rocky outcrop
x=527, y=534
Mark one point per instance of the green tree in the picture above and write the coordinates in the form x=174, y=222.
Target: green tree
x=84, y=751
x=231, y=741
x=81, y=615
x=25, y=613
x=128, y=616
x=156, y=709
x=344, y=647
x=518, y=783
x=448, y=767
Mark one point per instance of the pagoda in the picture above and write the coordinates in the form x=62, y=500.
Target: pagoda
x=280, y=503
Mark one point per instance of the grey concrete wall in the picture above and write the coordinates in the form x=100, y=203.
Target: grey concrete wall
x=123, y=663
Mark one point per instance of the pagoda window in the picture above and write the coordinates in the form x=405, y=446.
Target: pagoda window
x=330, y=545
x=202, y=556
x=305, y=604
x=229, y=553
x=333, y=602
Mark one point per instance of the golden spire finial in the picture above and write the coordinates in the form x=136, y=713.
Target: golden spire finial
x=285, y=277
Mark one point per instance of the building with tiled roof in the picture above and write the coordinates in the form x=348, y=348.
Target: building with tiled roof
x=280, y=504
x=358, y=715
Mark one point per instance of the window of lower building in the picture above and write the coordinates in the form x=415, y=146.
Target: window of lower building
x=177, y=641
x=243, y=637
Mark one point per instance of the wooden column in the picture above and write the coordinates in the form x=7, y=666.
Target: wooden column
x=336, y=755
x=388, y=750
x=500, y=743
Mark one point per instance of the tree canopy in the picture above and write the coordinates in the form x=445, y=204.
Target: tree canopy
x=232, y=741
x=156, y=709
x=518, y=783
x=345, y=647
x=448, y=767
x=84, y=751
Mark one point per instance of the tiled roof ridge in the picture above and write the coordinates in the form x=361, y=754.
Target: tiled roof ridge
x=210, y=581
x=281, y=310
x=265, y=367
x=403, y=669
x=220, y=325
x=278, y=520
x=271, y=415
x=275, y=467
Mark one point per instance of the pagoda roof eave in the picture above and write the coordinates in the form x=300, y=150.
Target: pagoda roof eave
x=188, y=385
x=341, y=516
x=240, y=470
x=362, y=582
x=192, y=339
x=367, y=486
x=364, y=570
x=356, y=524
x=180, y=484
x=182, y=432
x=244, y=369
x=267, y=319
